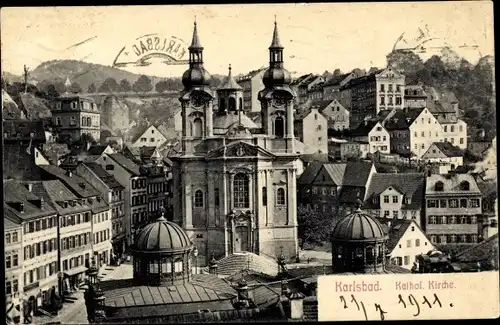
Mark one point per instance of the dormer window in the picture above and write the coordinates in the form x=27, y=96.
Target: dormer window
x=375, y=200
x=407, y=200
x=65, y=204
x=464, y=186
x=438, y=187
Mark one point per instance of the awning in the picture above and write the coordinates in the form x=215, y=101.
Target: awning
x=76, y=270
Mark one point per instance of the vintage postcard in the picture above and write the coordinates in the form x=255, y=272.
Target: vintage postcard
x=249, y=162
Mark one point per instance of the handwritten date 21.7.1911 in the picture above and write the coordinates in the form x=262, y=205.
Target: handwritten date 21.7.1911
x=403, y=301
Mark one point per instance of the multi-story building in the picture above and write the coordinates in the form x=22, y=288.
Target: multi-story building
x=129, y=174
x=381, y=90
x=74, y=231
x=235, y=192
x=115, y=113
x=113, y=194
x=303, y=85
x=315, y=93
x=331, y=87
x=453, y=209
x=373, y=133
x=413, y=131
x=444, y=153
x=311, y=128
x=75, y=115
x=337, y=116
x=415, y=96
x=150, y=137
x=396, y=196
x=251, y=84
x=35, y=258
x=488, y=164
x=13, y=231
x=354, y=149
x=489, y=224
x=406, y=241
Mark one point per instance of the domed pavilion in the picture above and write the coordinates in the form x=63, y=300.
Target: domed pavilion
x=358, y=244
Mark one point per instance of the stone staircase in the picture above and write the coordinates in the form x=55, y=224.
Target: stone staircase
x=238, y=262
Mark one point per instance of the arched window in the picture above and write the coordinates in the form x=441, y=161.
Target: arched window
x=241, y=191
x=264, y=196
x=89, y=121
x=281, y=197
x=279, y=127
x=216, y=197
x=241, y=103
x=222, y=104
x=196, y=128
x=232, y=104
x=438, y=187
x=198, y=199
x=464, y=186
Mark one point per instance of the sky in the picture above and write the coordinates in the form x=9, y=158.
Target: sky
x=316, y=37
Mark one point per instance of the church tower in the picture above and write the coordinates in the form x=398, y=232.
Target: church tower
x=230, y=96
x=196, y=98
x=277, y=97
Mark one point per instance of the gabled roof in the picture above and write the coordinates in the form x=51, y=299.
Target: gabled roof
x=76, y=183
x=451, y=183
x=34, y=107
x=300, y=79
x=16, y=191
x=397, y=230
x=336, y=80
x=403, y=119
x=19, y=162
x=229, y=83
x=310, y=173
x=364, y=128
x=336, y=172
x=409, y=184
x=55, y=192
x=24, y=130
x=103, y=175
x=238, y=149
x=357, y=173
x=126, y=163
x=484, y=251
x=448, y=149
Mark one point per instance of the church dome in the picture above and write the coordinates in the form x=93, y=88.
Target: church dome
x=275, y=76
x=162, y=236
x=196, y=76
x=358, y=227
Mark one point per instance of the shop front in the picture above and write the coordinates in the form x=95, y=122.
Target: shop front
x=73, y=278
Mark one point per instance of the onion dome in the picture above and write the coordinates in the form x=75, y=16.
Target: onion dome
x=358, y=227
x=162, y=236
x=196, y=75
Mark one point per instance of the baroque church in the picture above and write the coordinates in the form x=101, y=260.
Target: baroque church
x=235, y=181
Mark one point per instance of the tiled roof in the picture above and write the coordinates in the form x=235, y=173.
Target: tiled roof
x=336, y=172
x=19, y=164
x=310, y=173
x=484, y=251
x=451, y=183
x=9, y=224
x=35, y=108
x=410, y=184
x=402, y=119
x=336, y=80
x=301, y=79
x=103, y=175
x=54, y=151
x=315, y=157
x=238, y=262
x=357, y=173
x=448, y=149
x=396, y=231
x=126, y=163
x=55, y=192
x=24, y=130
x=364, y=128
x=77, y=184
x=16, y=191
x=351, y=194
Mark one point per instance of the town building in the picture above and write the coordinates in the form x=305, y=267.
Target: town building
x=331, y=87
x=115, y=113
x=453, y=209
x=315, y=93
x=380, y=90
x=75, y=115
x=129, y=174
x=488, y=164
x=36, y=256
x=415, y=96
x=354, y=150
x=150, y=137
x=406, y=241
x=478, y=143
x=24, y=133
x=489, y=222
x=311, y=129
x=337, y=115
x=235, y=191
x=373, y=133
x=303, y=85
x=413, y=131
x=113, y=194
x=334, y=147
x=444, y=153
x=13, y=231
x=396, y=196
x=251, y=84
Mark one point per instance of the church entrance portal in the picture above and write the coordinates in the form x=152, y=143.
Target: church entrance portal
x=241, y=239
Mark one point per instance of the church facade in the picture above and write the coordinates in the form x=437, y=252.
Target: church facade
x=235, y=181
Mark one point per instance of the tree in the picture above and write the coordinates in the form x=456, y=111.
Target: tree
x=314, y=228
x=75, y=88
x=337, y=72
x=161, y=86
x=109, y=86
x=125, y=85
x=52, y=92
x=92, y=88
x=142, y=85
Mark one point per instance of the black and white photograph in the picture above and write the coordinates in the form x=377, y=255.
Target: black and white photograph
x=210, y=163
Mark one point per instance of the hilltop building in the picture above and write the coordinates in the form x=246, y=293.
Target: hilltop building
x=75, y=115
x=234, y=189
x=115, y=114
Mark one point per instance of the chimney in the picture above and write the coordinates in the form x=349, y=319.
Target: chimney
x=296, y=305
